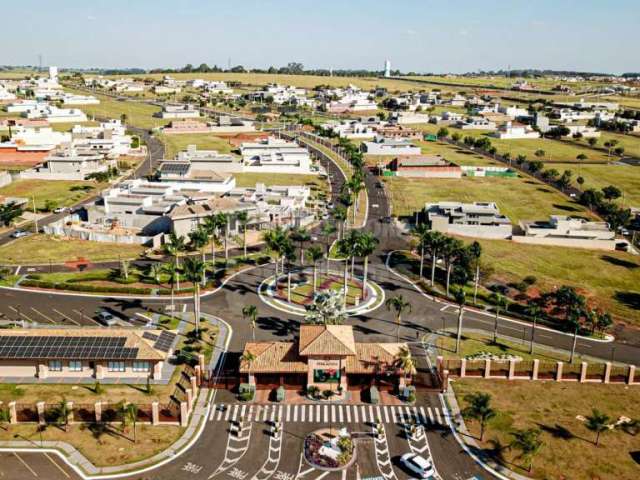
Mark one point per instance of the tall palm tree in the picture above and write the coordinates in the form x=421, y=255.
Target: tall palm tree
x=421, y=232
x=248, y=358
x=479, y=408
x=327, y=231
x=340, y=215
x=346, y=250
x=251, y=312
x=197, y=241
x=475, y=251
x=597, y=422
x=529, y=443
x=155, y=272
x=194, y=269
x=366, y=244
x=460, y=297
x=223, y=219
x=500, y=301
x=212, y=226
x=174, y=246
x=433, y=244
x=452, y=250
x=300, y=235
x=275, y=240
x=243, y=218
x=399, y=305
x=288, y=258
x=171, y=270
x=314, y=255
x=354, y=186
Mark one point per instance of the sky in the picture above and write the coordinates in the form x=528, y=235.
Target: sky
x=416, y=35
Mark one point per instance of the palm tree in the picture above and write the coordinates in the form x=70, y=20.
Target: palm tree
x=434, y=244
x=500, y=301
x=475, y=251
x=597, y=422
x=404, y=361
x=460, y=297
x=452, y=250
x=251, y=312
x=327, y=230
x=5, y=417
x=399, y=305
x=130, y=415
x=198, y=240
x=479, y=408
x=212, y=226
x=533, y=310
x=340, y=215
x=314, y=255
x=421, y=232
x=275, y=240
x=346, y=250
x=194, y=269
x=300, y=235
x=155, y=272
x=62, y=414
x=243, y=217
x=223, y=220
x=529, y=443
x=175, y=244
x=366, y=244
x=355, y=185
x=288, y=258
x=249, y=358
x=171, y=270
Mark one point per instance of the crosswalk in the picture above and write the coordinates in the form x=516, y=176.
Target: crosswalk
x=306, y=413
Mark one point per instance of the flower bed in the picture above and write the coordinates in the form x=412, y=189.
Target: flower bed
x=324, y=450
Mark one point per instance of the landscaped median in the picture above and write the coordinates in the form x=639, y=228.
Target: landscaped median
x=552, y=428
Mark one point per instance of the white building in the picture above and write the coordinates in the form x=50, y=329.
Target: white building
x=44, y=137
x=179, y=111
x=350, y=129
x=387, y=68
x=275, y=155
x=57, y=115
x=570, y=115
x=109, y=138
x=386, y=146
x=5, y=95
x=512, y=131
x=567, y=231
x=69, y=99
x=478, y=219
x=22, y=106
x=514, y=111
x=476, y=123
x=68, y=165
x=584, y=130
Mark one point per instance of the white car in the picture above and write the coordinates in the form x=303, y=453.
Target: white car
x=61, y=210
x=418, y=465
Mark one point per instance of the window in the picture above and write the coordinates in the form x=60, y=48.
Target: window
x=115, y=366
x=55, y=365
x=75, y=366
x=139, y=366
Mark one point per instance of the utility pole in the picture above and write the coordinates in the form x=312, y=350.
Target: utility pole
x=35, y=215
x=575, y=341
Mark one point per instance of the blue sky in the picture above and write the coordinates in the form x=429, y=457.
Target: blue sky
x=418, y=35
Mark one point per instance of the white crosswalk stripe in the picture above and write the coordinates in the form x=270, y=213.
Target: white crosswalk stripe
x=333, y=413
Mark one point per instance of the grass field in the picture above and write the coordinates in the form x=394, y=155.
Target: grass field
x=519, y=198
x=138, y=114
x=204, y=141
x=57, y=191
x=631, y=143
x=610, y=280
x=457, y=155
x=625, y=177
x=568, y=446
x=37, y=249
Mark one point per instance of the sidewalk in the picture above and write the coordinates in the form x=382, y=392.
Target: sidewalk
x=195, y=427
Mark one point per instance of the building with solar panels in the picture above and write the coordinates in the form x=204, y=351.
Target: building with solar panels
x=63, y=354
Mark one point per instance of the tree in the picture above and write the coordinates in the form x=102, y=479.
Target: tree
x=399, y=305
x=174, y=246
x=452, y=250
x=611, y=192
x=9, y=212
x=340, y=216
x=171, y=269
x=529, y=443
x=592, y=141
x=534, y=311
x=434, y=243
x=223, y=222
x=347, y=249
x=456, y=137
x=62, y=414
x=327, y=230
x=540, y=153
x=212, y=225
x=580, y=181
x=327, y=308
x=500, y=301
x=535, y=166
x=443, y=132
x=404, y=361
x=479, y=408
x=581, y=157
x=155, y=272
x=460, y=297
x=597, y=422
x=421, y=232
x=300, y=235
x=251, y=312
x=366, y=244
x=5, y=417
x=198, y=239
x=275, y=240
x=194, y=270
x=475, y=251
x=248, y=358
x=130, y=416
x=243, y=218
x=314, y=255
x=354, y=186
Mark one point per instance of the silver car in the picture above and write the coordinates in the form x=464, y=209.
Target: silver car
x=420, y=466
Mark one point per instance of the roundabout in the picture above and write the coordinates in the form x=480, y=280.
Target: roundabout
x=296, y=295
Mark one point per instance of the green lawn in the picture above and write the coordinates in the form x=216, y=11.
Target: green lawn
x=520, y=198
x=631, y=143
x=58, y=191
x=625, y=177
x=204, y=141
x=45, y=248
x=457, y=155
x=610, y=280
x=568, y=446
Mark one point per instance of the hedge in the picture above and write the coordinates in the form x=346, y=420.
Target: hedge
x=85, y=288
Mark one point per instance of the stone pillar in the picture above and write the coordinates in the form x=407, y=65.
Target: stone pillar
x=155, y=413
x=70, y=417
x=536, y=367
x=189, y=399
x=439, y=363
x=99, y=371
x=184, y=414
x=157, y=370
x=445, y=381
x=512, y=369
x=559, y=371
x=463, y=368
x=43, y=371
x=98, y=410
x=40, y=408
x=203, y=367
x=198, y=371
x=632, y=374
x=607, y=372
x=13, y=415
x=487, y=368
x=194, y=385
x=583, y=371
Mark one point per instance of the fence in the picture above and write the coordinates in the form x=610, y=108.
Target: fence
x=583, y=372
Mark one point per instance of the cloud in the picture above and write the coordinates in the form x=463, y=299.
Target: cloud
x=411, y=32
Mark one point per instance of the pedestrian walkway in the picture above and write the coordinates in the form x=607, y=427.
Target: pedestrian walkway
x=326, y=413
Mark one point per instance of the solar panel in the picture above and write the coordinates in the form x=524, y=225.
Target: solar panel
x=150, y=336
x=57, y=347
x=165, y=341
x=175, y=168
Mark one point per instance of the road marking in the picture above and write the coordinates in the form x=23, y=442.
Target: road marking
x=333, y=414
x=409, y=413
x=226, y=416
x=430, y=415
x=320, y=477
x=66, y=316
x=438, y=416
x=363, y=413
x=371, y=415
x=295, y=413
x=287, y=414
x=43, y=315
x=317, y=413
x=444, y=308
x=85, y=316
x=273, y=414
x=244, y=407
x=423, y=416
x=348, y=407
x=18, y=270
x=219, y=417
x=311, y=413
x=386, y=414
x=21, y=315
x=235, y=413
x=302, y=413
x=326, y=412
x=25, y=464
x=355, y=414
x=393, y=414
x=57, y=466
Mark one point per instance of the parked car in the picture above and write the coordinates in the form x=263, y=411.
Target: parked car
x=420, y=466
x=20, y=234
x=61, y=210
x=106, y=318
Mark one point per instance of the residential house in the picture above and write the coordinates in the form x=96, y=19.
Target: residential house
x=386, y=146
x=476, y=123
x=567, y=231
x=424, y=166
x=513, y=131
x=179, y=111
x=274, y=155
x=477, y=219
